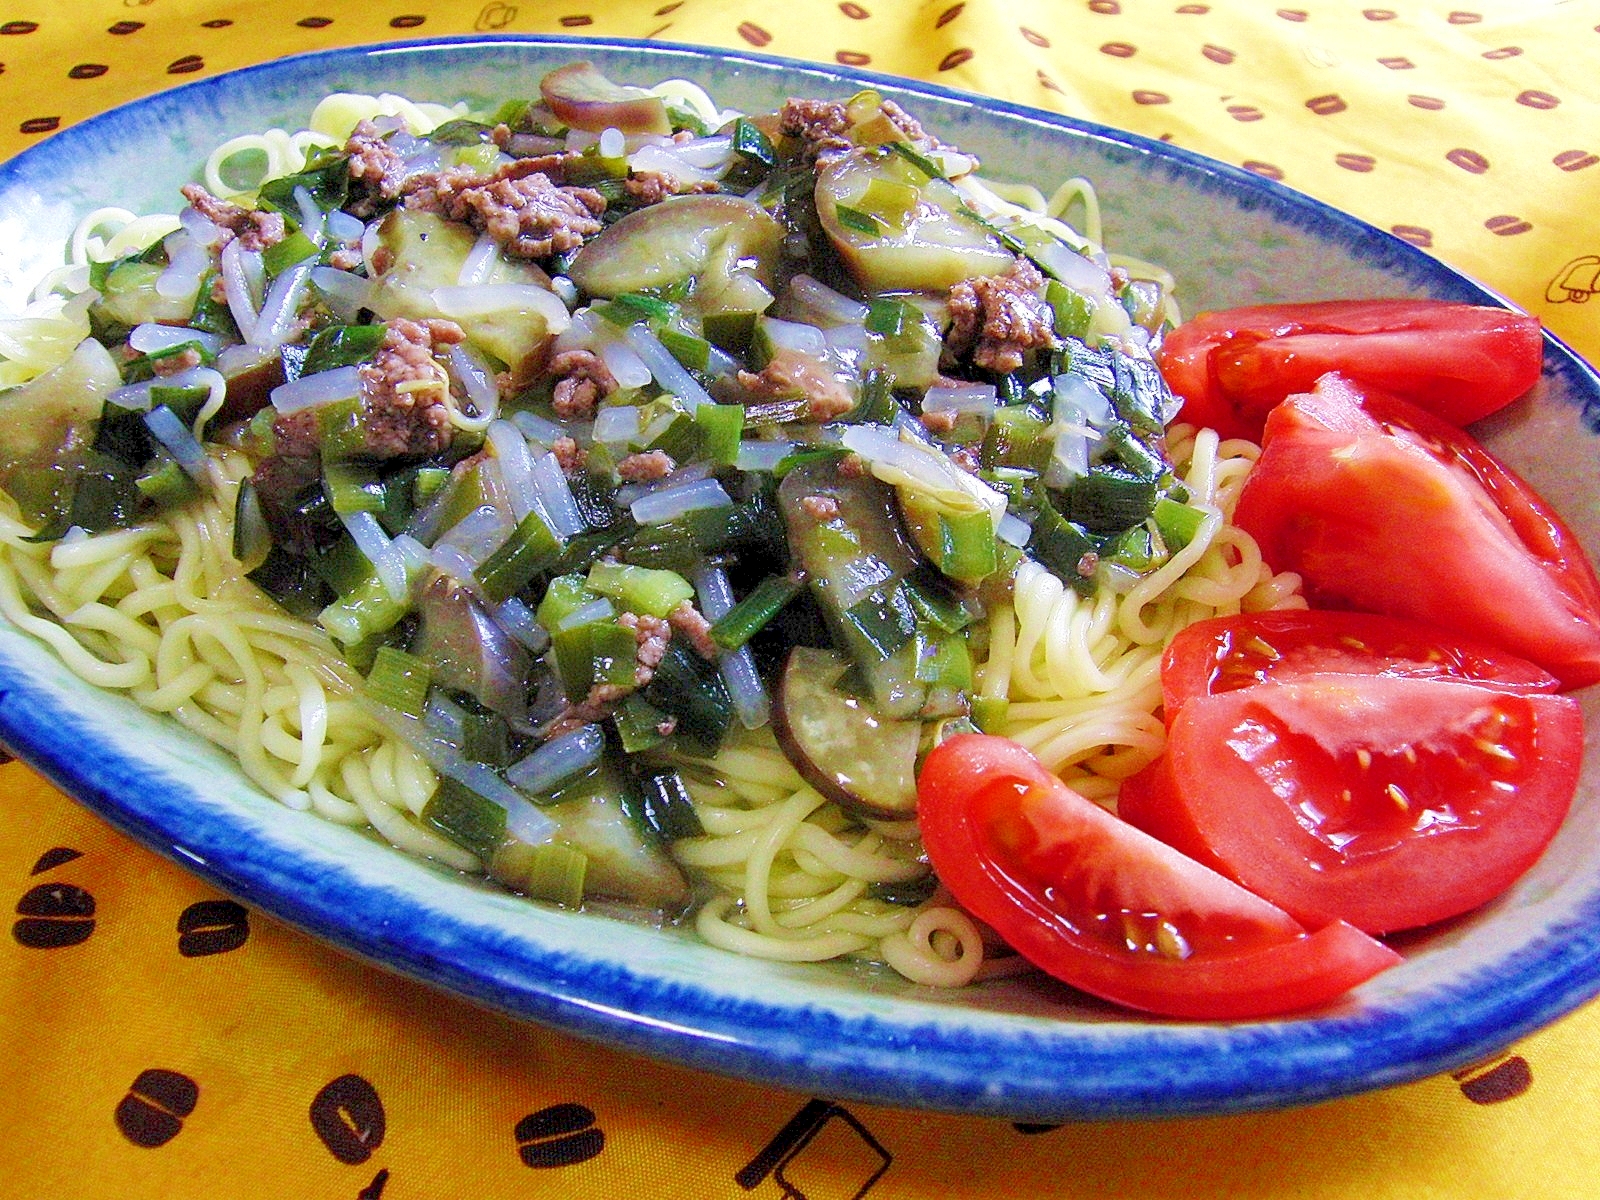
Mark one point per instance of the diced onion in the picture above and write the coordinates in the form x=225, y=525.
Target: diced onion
x=1014, y=529
x=617, y=424
x=151, y=338
x=517, y=619
x=665, y=160
x=667, y=504
x=626, y=367
x=243, y=274
x=757, y=455
x=1077, y=393
x=738, y=668
x=538, y=429
x=201, y=228
x=668, y=371
x=281, y=309
x=482, y=391
x=168, y=429
x=375, y=545
x=707, y=153
x=479, y=261
x=558, y=760
x=323, y=387
x=342, y=227
x=819, y=298
x=516, y=467
x=793, y=335
x=979, y=398
x=489, y=299
x=187, y=262
x=346, y=291
x=555, y=497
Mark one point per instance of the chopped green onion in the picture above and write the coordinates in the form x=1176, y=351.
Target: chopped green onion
x=1177, y=523
x=166, y=484
x=693, y=352
x=917, y=159
x=341, y=346
x=857, y=221
x=531, y=547
x=1073, y=312
x=1110, y=499
x=722, y=427
x=549, y=871
x=989, y=713
x=399, y=680
x=691, y=689
x=471, y=821
x=640, y=589
x=352, y=487
x=752, y=614
x=280, y=256
x=661, y=804
x=639, y=724
x=750, y=142
x=632, y=307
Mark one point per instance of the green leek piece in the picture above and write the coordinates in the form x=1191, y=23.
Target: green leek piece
x=989, y=713
x=721, y=427
x=730, y=331
x=630, y=308
x=636, y=589
x=399, y=680
x=341, y=430
x=166, y=484
x=890, y=316
x=693, y=352
x=639, y=724
x=753, y=613
x=1073, y=312
x=1177, y=523
x=531, y=547
x=563, y=596
x=280, y=256
x=965, y=550
x=890, y=201
x=485, y=736
x=879, y=624
x=1125, y=444
x=353, y=488
x=367, y=609
x=661, y=804
x=341, y=346
x=252, y=538
x=750, y=142
x=549, y=871
x=691, y=689
x=473, y=822
x=933, y=603
x=857, y=221
x=1109, y=499
x=1017, y=438
x=1064, y=547
x=916, y=158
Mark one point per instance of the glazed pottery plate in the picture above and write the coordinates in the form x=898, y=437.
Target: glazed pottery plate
x=1024, y=1049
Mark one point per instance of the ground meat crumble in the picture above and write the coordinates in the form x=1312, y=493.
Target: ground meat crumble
x=518, y=206
x=582, y=380
x=998, y=319
x=255, y=229
x=791, y=373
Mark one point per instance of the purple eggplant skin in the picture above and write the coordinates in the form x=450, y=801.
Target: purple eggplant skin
x=468, y=651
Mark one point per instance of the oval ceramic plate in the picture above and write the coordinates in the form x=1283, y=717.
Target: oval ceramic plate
x=1023, y=1048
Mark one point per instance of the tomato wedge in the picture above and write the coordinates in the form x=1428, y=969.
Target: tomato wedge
x=1222, y=654
x=1384, y=801
x=1458, y=361
x=1112, y=911
x=1382, y=507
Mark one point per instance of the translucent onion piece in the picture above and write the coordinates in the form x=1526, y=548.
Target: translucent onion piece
x=479, y=261
x=311, y=218
x=672, y=375
x=202, y=229
x=738, y=668
x=979, y=398
x=757, y=455
x=538, y=429
x=1089, y=402
x=626, y=367
x=323, y=387
x=187, y=262
x=516, y=467
x=168, y=429
x=667, y=161
x=280, y=311
x=823, y=300
x=152, y=338
x=342, y=227
x=346, y=292
x=707, y=153
x=665, y=504
x=555, y=497
x=482, y=391
x=517, y=619
x=375, y=545
x=557, y=760
x=1014, y=529
x=243, y=274
x=617, y=424
x=793, y=335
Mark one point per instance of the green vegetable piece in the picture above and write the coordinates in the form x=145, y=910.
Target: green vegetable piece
x=753, y=613
x=295, y=248
x=549, y=871
x=857, y=221
x=1177, y=523
x=399, y=680
x=630, y=308
x=639, y=724
x=1073, y=311
x=662, y=805
x=989, y=713
x=751, y=143
x=1110, y=499
x=166, y=484
x=640, y=589
x=353, y=488
x=471, y=821
x=721, y=427
x=341, y=346
x=691, y=689
x=532, y=546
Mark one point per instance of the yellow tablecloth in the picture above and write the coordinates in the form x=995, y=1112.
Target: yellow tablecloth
x=172, y=1045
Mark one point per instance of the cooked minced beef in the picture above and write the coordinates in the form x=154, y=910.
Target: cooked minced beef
x=255, y=229
x=998, y=319
x=518, y=206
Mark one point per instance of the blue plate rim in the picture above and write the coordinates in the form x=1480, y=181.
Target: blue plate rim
x=1058, y=1073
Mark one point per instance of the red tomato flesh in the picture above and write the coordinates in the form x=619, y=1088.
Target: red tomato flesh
x=1381, y=507
x=1112, y=911
x=1458, y=361
x=1222, y=654
x=1384, y=801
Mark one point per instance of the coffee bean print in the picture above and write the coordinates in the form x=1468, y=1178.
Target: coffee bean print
x=1148, y=97
x=314, y=22
x=1540, y=100
x=1502, y=53
x=216, y=23
x=1426, y=103
x=88, y=71
x=576, y=21
x=1575, y=160
x=1360, y=163
x=851, y=58
x=18, y=28
x=1031, y=1128
x=347, y=1115
x=123, y=28
x=212, y=927
x=668, y=8
x=1326, y=106
x=1469, y=161
x=1218, y=54
x=1379, y=14
x=157, y=1103
x=1192, y=10
x=40, y=125
x=187, y=65
x=1464, y=18
x=1119, y=49
x=1294, y=14
x=57, y=857
x=1496, y=1081
x=1415, y=234
x=754, y=34
x=948, y=15
x=1106, y=8
x=409, y=21
x=374, y=1190
x=1397, y=64
x=1049, y=84
x=954, y=59
x=1264, y=169
x=562, y=1135
x=54, y=916
x=854, y=11
x=1033, y=37
x=1245, y=112
x=1507, y=225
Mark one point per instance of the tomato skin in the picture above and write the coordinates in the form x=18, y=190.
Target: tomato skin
x=1221, y=654
x=1070, y=886
x=1384, y=801
x=1482, y=555
x=1458, y=361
